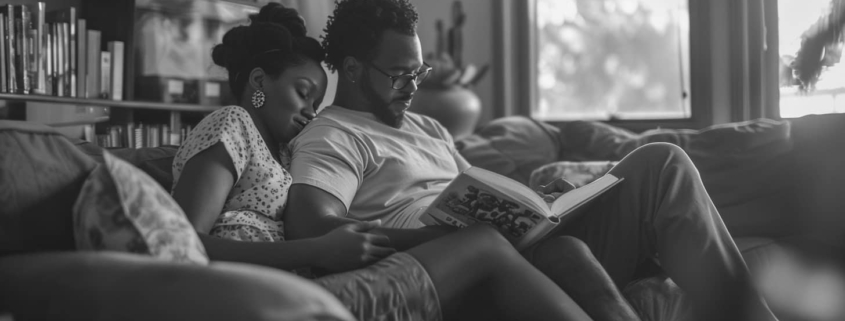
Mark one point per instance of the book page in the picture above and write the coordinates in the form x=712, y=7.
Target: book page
x=513, y=189
x=578, y=196
x=470, y=201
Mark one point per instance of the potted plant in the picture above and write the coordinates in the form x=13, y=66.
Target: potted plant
x=446, y=94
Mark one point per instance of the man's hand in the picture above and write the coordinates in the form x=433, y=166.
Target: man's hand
x=351, y=246
x=551, y=191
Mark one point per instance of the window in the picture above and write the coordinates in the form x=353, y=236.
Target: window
x=795, y=17
x=612, y=59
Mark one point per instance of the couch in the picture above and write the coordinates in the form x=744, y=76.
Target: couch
x=775, y=183
x=43, y=278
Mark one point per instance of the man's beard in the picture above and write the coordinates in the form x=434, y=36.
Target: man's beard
x=379, y=107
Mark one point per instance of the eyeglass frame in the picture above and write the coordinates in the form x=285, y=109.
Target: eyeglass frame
x=414, y=75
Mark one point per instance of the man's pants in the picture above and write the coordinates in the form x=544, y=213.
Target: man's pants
x=661, y=210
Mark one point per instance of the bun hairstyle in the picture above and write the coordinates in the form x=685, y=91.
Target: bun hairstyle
x=273, y=41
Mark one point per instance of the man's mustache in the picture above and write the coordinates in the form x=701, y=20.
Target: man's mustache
x=406, y=97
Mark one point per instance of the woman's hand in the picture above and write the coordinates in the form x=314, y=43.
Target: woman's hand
x=350, y=247
x=551, y=191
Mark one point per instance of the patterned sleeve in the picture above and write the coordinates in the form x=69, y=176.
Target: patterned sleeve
x=230, y=125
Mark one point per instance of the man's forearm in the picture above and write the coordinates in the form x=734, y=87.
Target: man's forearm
x=404, y=239
x=400, y=239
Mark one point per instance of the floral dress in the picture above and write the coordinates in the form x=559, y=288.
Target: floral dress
x=254, y=206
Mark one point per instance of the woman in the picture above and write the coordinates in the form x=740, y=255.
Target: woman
x=230, y=164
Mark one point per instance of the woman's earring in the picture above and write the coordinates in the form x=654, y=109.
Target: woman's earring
x=257, y=98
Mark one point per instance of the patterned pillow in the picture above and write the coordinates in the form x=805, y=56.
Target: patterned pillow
x=121, y=208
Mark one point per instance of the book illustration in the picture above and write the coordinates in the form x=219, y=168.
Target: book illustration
x=484, y=206
x=522, y=216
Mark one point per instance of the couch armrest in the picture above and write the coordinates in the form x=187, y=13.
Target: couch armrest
x=115, y=286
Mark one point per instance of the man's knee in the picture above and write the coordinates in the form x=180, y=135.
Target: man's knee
x=487, y=241
x=562, y=250
x=660, y=154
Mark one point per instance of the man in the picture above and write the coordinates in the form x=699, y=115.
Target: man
x=367, y=158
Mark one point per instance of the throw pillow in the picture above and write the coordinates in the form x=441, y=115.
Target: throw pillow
x=121, y=208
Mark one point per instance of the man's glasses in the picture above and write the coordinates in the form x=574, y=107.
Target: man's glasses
x=401, y=81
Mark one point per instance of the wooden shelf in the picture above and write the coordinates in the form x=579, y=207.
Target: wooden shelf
x=109, y=103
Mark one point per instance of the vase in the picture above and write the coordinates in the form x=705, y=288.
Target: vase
x=456, y=108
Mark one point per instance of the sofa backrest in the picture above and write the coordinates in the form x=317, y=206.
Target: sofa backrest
x=155, y=161
x=41, y=173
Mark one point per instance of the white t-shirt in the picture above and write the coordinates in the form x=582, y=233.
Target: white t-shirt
x=377, y=171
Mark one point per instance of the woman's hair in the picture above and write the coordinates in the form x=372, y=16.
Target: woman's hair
x=274, y=40
x=355, y=27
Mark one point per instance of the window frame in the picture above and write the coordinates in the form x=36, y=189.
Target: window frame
x=516, y=21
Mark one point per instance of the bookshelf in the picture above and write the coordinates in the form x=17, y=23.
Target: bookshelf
x=165, y=81
x=109, y=103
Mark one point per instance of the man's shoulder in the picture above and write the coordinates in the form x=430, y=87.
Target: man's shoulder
x=328, y=124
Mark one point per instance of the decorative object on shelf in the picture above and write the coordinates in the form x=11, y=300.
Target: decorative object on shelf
x=821, y=47
x=174, y=40
x=446, y=95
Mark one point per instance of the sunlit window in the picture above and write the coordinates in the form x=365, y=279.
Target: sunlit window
x=603, y=59
x=795, y=17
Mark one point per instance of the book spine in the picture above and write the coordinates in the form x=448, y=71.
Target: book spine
x=11, y=73
x=71, y=57
x=56, y=49
x=81, y=57
x=48, y=68
x=32, y=59
x=65, y=30
x=105, y=75
x=3, y=86
x=114, y=136
x=117, y=53
x=94, y=63
x=165, y=135
x=139, y=136
x=130, y=135
x=60, y=60
x=23, y=26
x=40, y=44
x=88, y=133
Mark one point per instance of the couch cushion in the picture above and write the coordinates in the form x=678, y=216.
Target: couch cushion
x=155, y=161
x=120, y=208
x=41, y=174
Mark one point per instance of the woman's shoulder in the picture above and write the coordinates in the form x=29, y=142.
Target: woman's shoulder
x=229, y=114
x=230, y=125
x=229, y=120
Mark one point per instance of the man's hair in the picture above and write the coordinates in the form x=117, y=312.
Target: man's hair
x=355, y=27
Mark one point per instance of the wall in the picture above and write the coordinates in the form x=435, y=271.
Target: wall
x=720, y=40
x=478, y=39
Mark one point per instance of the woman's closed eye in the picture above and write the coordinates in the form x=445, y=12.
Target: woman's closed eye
x=303, y=93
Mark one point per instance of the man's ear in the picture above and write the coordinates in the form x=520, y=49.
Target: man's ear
x=352, y=69
x=256, y=78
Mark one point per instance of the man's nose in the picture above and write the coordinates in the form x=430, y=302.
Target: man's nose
x=411, y=87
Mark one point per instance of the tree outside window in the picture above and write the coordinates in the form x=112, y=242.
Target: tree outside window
x=612, y=59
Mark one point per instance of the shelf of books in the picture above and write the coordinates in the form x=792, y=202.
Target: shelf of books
x=67, y=63
x=108, y=103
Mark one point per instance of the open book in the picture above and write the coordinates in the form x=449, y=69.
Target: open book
x=522, y=216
